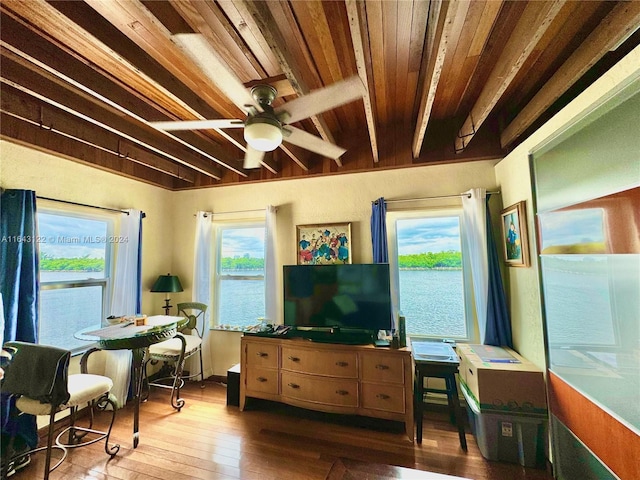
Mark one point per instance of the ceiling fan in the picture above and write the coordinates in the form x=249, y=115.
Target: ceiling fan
x=265, y=127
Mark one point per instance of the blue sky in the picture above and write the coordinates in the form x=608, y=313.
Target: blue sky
x=237, y=242
x=422, y=235
x=71, y=237
x=572, y=227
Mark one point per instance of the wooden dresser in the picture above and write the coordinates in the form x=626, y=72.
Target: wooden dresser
x=350, y=379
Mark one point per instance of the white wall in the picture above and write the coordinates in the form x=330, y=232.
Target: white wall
x=513, y=177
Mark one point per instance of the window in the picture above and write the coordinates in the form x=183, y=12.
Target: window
x=239, y=289
x=74, y=274
x=431, y=284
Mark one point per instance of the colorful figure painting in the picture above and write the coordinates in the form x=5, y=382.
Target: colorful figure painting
x=324, y=244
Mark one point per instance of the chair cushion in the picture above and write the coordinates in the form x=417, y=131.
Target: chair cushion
x=82, y=387
x=171, y=348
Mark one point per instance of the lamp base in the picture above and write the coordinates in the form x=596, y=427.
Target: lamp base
x=167, y=307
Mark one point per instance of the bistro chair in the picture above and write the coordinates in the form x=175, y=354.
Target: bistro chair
x=37, y=376
x=175, y=351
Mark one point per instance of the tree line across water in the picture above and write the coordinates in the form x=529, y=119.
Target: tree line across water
x=429, y=260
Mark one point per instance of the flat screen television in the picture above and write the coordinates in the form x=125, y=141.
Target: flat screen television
x=347, y=296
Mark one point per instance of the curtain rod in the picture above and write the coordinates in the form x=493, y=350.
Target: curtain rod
x=468, y=195
x=255, y=210
x=85, y=205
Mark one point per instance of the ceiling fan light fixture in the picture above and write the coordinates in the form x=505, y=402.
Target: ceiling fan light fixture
x=263, y=134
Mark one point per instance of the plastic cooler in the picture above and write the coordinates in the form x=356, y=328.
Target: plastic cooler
x=517, y=438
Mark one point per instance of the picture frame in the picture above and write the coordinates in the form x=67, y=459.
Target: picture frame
x=515, y=242
x=323, y=244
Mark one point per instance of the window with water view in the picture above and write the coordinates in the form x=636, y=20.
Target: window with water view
x=74, y=275
x=430, y=276
x=240, y=275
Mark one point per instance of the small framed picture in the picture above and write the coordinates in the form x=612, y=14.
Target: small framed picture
x=324, y=244
x=514, y=235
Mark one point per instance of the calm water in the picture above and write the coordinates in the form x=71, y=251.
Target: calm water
x=432, y=302
x=438, y=292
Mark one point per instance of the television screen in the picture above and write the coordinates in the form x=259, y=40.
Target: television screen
x=353, y=296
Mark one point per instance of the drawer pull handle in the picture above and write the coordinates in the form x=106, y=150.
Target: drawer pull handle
x=383, y=396
x=294, y=359
x=262, y=354
x=342, y=392
x=294, y=385
x=342, y=364
x=382, y=367
x=261, y=379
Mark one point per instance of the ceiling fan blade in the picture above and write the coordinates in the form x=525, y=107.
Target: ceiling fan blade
x=311, y=142
x=321, y=100
x=197, y=124
x=196, y=47
x=252, y=158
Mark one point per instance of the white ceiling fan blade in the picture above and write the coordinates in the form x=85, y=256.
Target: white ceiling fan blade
x=311, y=142
x=197, y=124
x=252, y=158
x=196, y=47
x=321, y=100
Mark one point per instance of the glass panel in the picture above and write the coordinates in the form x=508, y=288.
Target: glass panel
x=431, y=277
x=241, y=276
x=64, y=311
x=71, y=248
x=241, y=301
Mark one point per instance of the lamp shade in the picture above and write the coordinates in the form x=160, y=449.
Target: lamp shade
x=263, y=136
x=167, y=283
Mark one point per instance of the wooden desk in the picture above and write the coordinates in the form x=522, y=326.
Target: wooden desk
x=437, y=360
x=135, y=338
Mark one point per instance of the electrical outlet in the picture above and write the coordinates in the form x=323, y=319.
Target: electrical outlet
x=507, y=429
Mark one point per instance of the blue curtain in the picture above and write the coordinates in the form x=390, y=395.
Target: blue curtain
x=379, y=231
x=139, y=270
x=20, y=295
x=498, y=330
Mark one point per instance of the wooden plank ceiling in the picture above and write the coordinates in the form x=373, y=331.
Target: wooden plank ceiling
x=443, y=81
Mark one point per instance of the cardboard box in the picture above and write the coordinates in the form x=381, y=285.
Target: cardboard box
x=501, y=381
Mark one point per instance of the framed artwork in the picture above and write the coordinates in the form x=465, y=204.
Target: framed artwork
x=514, y=235
x=323, y=244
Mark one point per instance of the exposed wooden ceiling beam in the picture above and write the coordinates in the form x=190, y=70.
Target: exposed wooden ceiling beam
x=623, y=19
x=357, y=17
x=48, y=92
x=18, y=108
x=521, y=44
x=193, y=142
x=268, y=27
x=441, y=21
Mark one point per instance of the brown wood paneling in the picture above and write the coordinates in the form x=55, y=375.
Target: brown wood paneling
x=611, y=441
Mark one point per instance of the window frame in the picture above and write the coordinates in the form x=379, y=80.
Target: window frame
x=219, y=228
x=106, y=282
x=392, y=218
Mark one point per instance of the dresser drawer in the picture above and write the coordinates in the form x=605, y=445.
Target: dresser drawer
x=263, y=380
x=320, y=390
x=389, y=398
x=261, y=354
x=377, y=367
x=332, y=364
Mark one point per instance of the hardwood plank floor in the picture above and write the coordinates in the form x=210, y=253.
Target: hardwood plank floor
x=268, y=441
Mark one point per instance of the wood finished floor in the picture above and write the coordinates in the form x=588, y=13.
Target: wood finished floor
x=208, y=440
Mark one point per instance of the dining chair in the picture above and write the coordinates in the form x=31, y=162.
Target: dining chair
x=175, y=351
x=37, y=376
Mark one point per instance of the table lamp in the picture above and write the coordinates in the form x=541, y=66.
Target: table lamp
x=166, y=284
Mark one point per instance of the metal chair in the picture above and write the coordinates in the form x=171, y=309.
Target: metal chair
x=37, y=376
x=175, y=351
